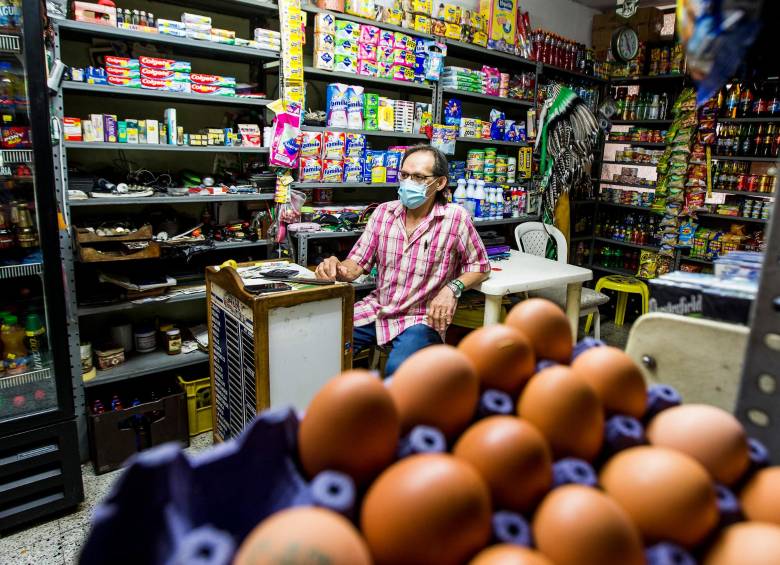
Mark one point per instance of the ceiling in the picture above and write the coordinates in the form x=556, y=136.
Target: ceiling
x=610, y=4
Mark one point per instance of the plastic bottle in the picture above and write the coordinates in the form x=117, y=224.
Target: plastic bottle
x=498, y=204
x=14, y=351
x=479, y=200
x=35, y=339
x=459, y=197
x=471, y=201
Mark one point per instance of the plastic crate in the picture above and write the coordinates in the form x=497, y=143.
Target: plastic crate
x=198, y=404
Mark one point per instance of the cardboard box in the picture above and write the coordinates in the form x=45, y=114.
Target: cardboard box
x=72, y=129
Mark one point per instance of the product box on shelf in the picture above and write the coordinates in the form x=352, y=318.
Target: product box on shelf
x=94, y=13
x=502, y=21
x=72, y=129
x=213, y=90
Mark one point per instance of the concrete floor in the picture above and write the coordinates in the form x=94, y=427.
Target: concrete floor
x=59, y=541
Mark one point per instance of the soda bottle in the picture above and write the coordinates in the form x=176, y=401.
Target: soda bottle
x=746, y=101
x=35, y=339
x=758, y=141
x=98, y=408
x=761, y=103
x=14, y=351
x=732, y=101
x=773, y=103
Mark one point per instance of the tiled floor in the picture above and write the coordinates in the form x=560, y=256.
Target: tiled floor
x=58, y=541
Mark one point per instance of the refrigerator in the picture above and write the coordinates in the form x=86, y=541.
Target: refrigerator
x=40, y=472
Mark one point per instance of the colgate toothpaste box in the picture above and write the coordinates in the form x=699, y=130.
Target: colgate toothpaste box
x=157, y=74
x=213, y=90
x=125, y=62
x=124, y=81
x=165, y=85
x=212, y=80
x=125, y=72
x=165, y=64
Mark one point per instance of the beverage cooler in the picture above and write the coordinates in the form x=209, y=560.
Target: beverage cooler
x=39, y=455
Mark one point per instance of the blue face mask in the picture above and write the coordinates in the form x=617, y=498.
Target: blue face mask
x=412, y=194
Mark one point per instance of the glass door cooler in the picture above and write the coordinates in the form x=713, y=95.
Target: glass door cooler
x=39, y=454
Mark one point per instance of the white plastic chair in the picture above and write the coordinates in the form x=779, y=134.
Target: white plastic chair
x=532, y=237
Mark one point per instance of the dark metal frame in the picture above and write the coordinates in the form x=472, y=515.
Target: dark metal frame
x=48, y=226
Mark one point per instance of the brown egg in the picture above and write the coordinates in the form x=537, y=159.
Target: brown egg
x=508, y=554
x=502, y=356
x=430, y=508
x=546, y=326
x=760, y=497
x=668, y=494
x=303, y=535
x=710, y=435
x=437, y=386
x=352, y=426
x=746, y=543
x=512, y=456
x=576, y=524
x=566, y=410
x=615, y=378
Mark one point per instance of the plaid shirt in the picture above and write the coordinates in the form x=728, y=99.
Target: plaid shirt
x=411, y=272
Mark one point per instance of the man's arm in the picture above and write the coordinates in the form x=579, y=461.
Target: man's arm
x=334, y=270
x=360, y=258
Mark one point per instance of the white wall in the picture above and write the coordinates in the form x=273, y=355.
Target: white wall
x=563, y=17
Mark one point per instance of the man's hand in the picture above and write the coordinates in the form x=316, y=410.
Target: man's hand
x=329, y=269
x=442, y=309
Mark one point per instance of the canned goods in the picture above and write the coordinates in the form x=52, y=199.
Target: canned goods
x=766, y=184
x=754, y=182
x=475, y=160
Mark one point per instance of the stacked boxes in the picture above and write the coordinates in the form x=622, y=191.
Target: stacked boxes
x=197, y=26
x=267, y=39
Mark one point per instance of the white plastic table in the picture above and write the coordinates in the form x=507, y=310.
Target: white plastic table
x=523, y=272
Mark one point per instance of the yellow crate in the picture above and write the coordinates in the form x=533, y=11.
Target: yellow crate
x=198, y=404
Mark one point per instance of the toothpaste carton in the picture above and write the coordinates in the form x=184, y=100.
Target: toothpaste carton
x=123, y=72
x=325, y=23
x=152, y=132
x=226, y=33
x=196, y=19
x=310, y=169
x=369, y=34
x=332, y=170
x=165, y=85
x=172, y=31
x=213, y=90
x=124, y=62
x=212, y=80
x=94, y=75
x=165, y=64
x=124, y=81
x=72, y=129
x=311, y=143
x=173, y=24
x=197, y=35
x=157, y=74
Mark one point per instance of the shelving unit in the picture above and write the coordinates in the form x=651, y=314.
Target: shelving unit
x=490, y=142
x=142, y=364
x=180, y=97
x=488, y=98
x=145, y=201
x=83, y=145
x=626, y=244
x=752, y=159
x=642, y=123
x=732, y=218
x=367, y=132
x=744, y=193
x=388, y=83
x=645, y=144
x=648, y=78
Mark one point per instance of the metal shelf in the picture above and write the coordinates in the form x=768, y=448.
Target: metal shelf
x=344, y=185
x=626, y=206
x=221, y=245
x=130, y=201
x=490, y=142
x=462, y=50
x=25, y=378
x=616, y=271
x=100, y=90
x=342, y=16
x=621, y=185
x=141, y=364
x=184, y=45
x=626, y=244
x=354, y=77
x=646, y=78
x=768, y=119
x=753, y=159
x=578, y=238
x=646, y=144
x=368, y=132
x=163, y=147
x=504, y=221
x=487, y=97
x=730, y=218
x=327, y=234
x=84, y=311
x=573, y=74
x=22, y=270
x=696, y=260
x=238, y=7
x=641, y=122
x=630, y=163
x=745, y=193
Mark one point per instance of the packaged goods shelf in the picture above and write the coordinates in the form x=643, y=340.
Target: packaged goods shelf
x=488, y=98
x=573, y=74
x=753, y=159
x=160, y=147
x=490, y=142
x=764, y=120
x=629, y=163
x=626, y=244
x=646, y=78
x=696, y=260
x=183, y=45
x=731, y=218
x=389, y=83
x=505, y=221
x=604, y=182
x=646, y=123
x=344, y=185
x=140, y=364
x=22, y=270
x=463, y=50
x=92, y=310
x=237, y=7
x=101, y=90
x=357, y=19
x=744, y=193
x=368, y=132
x=645, y=144
x=626, y=206
x=144, y=201
x=616, y=271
